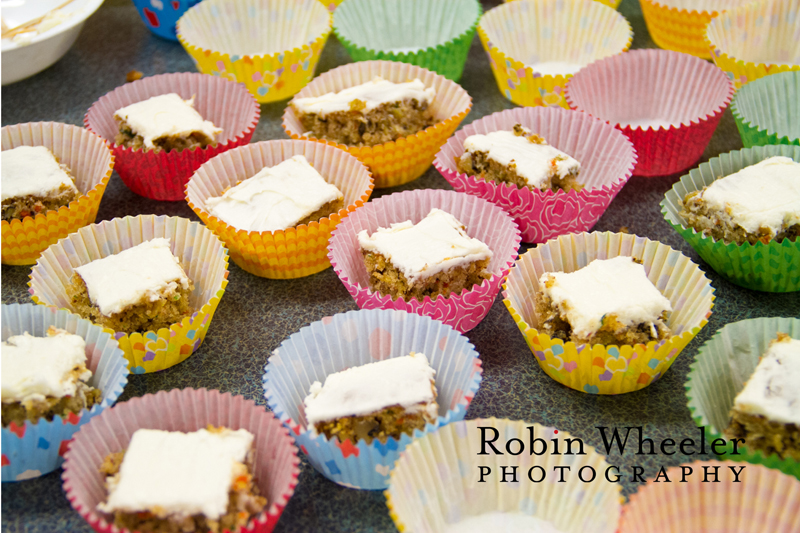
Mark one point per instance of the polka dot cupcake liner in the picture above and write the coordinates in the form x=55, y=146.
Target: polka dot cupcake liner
x=767, y=111
x=34, y=449
x=202, y=255
x=161, y=17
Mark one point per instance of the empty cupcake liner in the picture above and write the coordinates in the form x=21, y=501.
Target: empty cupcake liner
x=202, y=256
x=601, y=369
x=271, y=46
x=484, y=221
x=769, y=267
x=163, y=175
x=89, y=160
x=35, y=449
x=437, y=480
x=353, y=339
x=763, y=500
x=295, y=252
x=719, y=372
x=275, y=461
x=767, y=111
x=395, y=162
x=523, y=33
x=432, y=34
x=160, y=17
x=606, y=156
x=755, y=40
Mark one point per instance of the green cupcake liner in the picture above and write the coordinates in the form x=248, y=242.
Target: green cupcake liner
x=722, y=366
x=773, y=267
x=434, y=34
x=767, y=110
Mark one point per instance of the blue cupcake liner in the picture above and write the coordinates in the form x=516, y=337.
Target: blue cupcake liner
x=160, y=16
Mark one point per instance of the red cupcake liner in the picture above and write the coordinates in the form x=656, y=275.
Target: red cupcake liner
x=275, y=464
x=163, y=175
x=606, y=156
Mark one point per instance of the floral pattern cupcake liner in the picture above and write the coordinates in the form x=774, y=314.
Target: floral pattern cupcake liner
x=764, y=110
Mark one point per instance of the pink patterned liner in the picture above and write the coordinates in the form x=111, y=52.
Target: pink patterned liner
x=484, y=221
x=607, y=160
x=275, y=463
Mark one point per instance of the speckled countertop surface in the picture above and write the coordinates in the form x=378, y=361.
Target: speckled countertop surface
x=256, y=314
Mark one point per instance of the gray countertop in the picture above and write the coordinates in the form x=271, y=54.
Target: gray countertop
x=256, y=314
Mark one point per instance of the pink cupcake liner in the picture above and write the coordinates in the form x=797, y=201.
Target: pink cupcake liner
x=484, y=221
x=275, y=463
x=607, y=159
x=163, y=175
x=684, y=94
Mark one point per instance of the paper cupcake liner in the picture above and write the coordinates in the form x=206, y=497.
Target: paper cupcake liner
x=601, y=369
x=163, y=175
x=353, y=339
x=437, y=481
x=518, y=34
x=160, y=17
x=484, y=221
x=295, y=252
x=331, y=4
x=398, y=162
x=686, y=92
x=763, y=500
x=762, y=267
x=275, y=462
x=383, y=29
x=202, y=256
x=767, y=111
x=88, y=159
x=607, y=159
x=614, y=4
x=756, y=40
x=272, y=46
x=721, y=368
x=35, y=449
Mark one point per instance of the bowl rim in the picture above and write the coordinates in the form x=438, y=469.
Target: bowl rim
x=81, y=15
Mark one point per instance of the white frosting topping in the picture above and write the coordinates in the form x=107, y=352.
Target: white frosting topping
x=773, y=390
x=615, y=286
x=435, y=244
x=32, y=170
x=534, y=161
x=765, y=195
x=274, y=199
x=145, y=271
x=37, y=367
x=165, y=116
x=373, y=93
x=178, y=473
x=501, y=522
x=403, y=381
x=553, y=68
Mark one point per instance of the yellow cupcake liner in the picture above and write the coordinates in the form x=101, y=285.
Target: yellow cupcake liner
x=202, y=255
x=524, y=32
x=614, y=4
x=331, y=5
x=89, y=160
x=398, y=162
x=299, y=28
x=601, y=369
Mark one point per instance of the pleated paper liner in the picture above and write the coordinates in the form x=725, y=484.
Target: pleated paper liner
x=436, y=482
x=398, y=162
x=35, y=449
x=163, y=175
x=331, y=4
x=756, y=40
x=357, y=338
x=484, y=221
x=161, y=21
x=606, y=156
x=764, y=500
x=271, y=46
x=767, y=111
x=202, y=256
x=683, y=97
x=429, y=33
x=294, y=252
x=762, y=267
x=614, y=4
x=89, y=160
x=719, y=372
x=602, y=369
x=521, y=33
x=275, y=461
